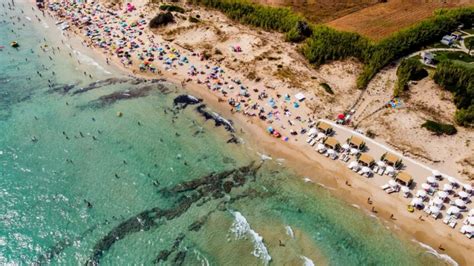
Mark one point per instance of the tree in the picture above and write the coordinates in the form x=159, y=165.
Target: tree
x=469, y=43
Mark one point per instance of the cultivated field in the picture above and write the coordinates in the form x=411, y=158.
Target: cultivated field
x=380, y=20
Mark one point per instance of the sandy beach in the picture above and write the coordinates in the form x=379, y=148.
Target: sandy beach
x=272, y=82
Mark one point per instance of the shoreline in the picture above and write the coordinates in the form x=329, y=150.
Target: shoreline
x=306, y=162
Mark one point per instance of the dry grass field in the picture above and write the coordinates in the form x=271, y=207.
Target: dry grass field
x=380, y=20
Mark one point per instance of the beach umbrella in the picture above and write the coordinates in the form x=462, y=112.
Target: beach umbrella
x=470, y=220
x=437, y=202
x=416, y=202
x=345, y=146
x=463, y=194
x=431, y=180
x=434, y=209
x=365, y=169
x=467, y=187
x=381, y=164
x=459, y=203
x=447, y=187
x=421, y=193
x=425, y=186
x=471, y=212
x=331, y=151
x=353, y=164
x=341, y=116
x=436, y=173
x=354, y=151
x=442, y=194
x=390, y=169
x=405, y=189
x=453, y=210
x=312, y=131
x=321, y=135
x=392, y=183
x=452, y=180
x=320, y=146
x=467, y=229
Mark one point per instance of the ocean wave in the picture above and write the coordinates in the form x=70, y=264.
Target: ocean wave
x=289, y=231
x=201, y=258
x=241, y=228
x=89, y=61
x=307, y=261
x=432, y=251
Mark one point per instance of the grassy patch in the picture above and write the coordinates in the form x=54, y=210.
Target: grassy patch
x=439, y=128
x=326, y=87
x=448, y=55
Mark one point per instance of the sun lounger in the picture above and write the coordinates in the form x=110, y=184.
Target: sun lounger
x=435, y=215
x=385, y=187
x=390, y=190
x=381, y=171
x=308, y=140
x=312, y=142
x=447, y=219
x=427, y=210
x=453, y=223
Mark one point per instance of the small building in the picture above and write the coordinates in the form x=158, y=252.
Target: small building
x=448, y=40
x=392, y=160
x=332, y=143
x=428, y=57
x=366, y=160
x=324, y=128
x=404, y=179
x=356, y=142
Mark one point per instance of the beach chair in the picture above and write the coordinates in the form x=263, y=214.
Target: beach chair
x=385, y=187
x=453, y=223
x=390, y=190
x=427, y=210
x=447, y=219
x=435, y=215
x=312, y=142
x=381, y=171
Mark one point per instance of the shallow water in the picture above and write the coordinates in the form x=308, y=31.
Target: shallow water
x=80, y=184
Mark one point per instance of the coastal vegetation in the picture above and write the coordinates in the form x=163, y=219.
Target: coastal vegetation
x=409, y=69
x=161, y=19
x=458, y=78
x=326, y=87
x=172, y=8
x=439, y=128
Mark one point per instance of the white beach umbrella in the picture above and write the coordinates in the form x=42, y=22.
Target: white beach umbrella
x=331, y=151
x=453, y=210
x=437, y=202
x=353, y=164
x=416, y=202
x=390, y=169
x=470, y=220
x=354, y=151
x=392, y=183
x=431, y=180
x=471, y=212
x=345, y=146
x=452, y=180
x=459, y=203
x=381, y=163
x=467, y=187
x=467, y=229
x=425, y=186
x=421, y=193
x=312, y=131
x=436, y=173
x=463, y=195
x=321, y=135
x=447, y=187
x=405, y=189
x=434, y=209
x=365, y=169
x=442, y=194
x=320, y=147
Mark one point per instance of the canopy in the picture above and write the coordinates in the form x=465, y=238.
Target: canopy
x=452, y=180
x=453, y=210
x=366, y=159
x=434, y=209
x=345, y=146
x=431, y=179
x=321, y=135
x=467, y=228
x=390, y=169
x=467, y=187
x=447, y=187
x=331, y=152
x=405, y=189
x=436, y=173
x=331, y=142
x=312, y=131
x=392, y=183
x=365, y=169
x=438, y=201
x=354, y=151
x=442, y=194
x=391, y=158
x=425, y=186
x=416, y=202
x=470, y=220
x=463, y=194
x=459, y=203
x=381, y=164
x=353, y=164
x=421, y=193
x=404, y=178
x=323, y=126
x=356, y=141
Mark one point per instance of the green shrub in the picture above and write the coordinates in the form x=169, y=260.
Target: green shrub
x=161, y=19
x=439, y=128
x=326, y=87
x=409, y=69
x=172, y=8
x=193, y=19
x=469, y=42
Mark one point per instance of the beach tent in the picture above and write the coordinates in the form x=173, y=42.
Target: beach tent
x=300, y=96
x=366, y=159
x=324, y=127
x=470, y=220
x=460, y=203
x=391, y=159
x=332, y=143
x=453, y=210
x=356, y=142
x=404, y=179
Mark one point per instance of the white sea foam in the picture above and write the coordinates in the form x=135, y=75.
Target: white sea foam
x=89, y=61
x=432, y=251
x=241, y=228
x=28, y=18
x=307, y=180
x=324, y=186
x=201, y=258
x=289, y=231
x=307, y=261
x=355, y=206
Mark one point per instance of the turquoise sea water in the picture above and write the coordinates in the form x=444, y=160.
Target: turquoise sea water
x=78, y=184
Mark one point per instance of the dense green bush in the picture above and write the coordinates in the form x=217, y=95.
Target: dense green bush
x=172, y=8
x=161, y=19
x=469, y=42
x=458, y=78
x=439, y=128
x=326, y=87
x=409, y=69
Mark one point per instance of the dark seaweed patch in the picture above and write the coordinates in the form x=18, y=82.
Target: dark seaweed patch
x=218, y=120
x=101, y=83
x=182, y=101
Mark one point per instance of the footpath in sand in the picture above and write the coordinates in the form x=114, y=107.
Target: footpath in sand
x=254, y=76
